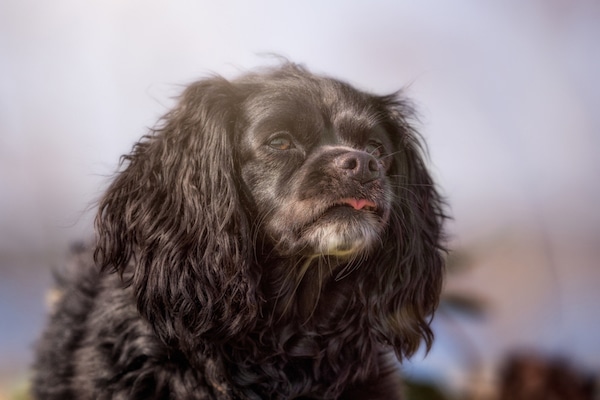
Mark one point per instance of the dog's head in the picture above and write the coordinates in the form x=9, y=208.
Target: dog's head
x=279, y=165
x=315, y=156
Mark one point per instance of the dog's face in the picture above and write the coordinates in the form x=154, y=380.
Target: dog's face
x=316, y=159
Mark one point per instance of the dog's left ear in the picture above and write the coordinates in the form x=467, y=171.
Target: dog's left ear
x=174, y=225
x=411, y=264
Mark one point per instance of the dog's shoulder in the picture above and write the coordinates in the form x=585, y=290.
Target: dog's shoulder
x=96, y=344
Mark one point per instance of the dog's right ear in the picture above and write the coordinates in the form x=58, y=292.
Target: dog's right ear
x=408, y=273
x=173, y=222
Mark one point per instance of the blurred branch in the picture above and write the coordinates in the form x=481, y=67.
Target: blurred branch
x=467, y=305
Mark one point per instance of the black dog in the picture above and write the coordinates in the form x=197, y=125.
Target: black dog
x=276, y=237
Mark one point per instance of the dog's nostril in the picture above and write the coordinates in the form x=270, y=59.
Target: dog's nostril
x=359, y=165
x=349, y=163
x=373, y=164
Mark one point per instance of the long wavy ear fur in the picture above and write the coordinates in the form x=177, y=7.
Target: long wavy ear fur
x=173, y=222
x=412, y=264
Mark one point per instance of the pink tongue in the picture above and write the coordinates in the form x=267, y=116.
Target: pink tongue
x=358, y=204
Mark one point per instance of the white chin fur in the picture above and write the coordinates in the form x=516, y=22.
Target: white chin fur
x=342, y=239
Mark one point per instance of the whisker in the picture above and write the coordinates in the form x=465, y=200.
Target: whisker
x=352, y=265
x=402, y=184
x=392, y=154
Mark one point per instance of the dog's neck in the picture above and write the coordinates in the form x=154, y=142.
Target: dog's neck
x=308, y=322
x=307, y=291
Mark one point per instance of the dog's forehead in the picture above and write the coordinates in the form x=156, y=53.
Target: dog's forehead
x=335, y=103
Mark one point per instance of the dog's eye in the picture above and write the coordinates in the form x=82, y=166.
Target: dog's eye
x=375, y=149
x=281, y=142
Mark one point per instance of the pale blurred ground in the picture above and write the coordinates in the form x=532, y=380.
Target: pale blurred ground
x=509, y=97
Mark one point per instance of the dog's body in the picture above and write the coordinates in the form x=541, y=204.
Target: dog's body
x=277, y=237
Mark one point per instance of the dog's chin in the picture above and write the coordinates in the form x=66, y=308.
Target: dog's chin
x=343, y=232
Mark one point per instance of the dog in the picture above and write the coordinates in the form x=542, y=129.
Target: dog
x=275, y=236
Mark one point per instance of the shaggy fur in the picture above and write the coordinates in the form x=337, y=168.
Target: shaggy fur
x=276, y=237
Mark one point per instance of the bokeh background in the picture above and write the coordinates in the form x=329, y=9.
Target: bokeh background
x=508, y=94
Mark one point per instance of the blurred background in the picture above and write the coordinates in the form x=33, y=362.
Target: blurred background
x=509, y=99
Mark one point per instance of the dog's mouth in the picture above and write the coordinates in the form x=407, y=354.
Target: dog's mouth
x=346, y=226
x=356, y=204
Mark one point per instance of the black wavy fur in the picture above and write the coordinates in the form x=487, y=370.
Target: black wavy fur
x=278, y=236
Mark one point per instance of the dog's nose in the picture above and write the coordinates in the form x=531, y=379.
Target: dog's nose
x=359, y=165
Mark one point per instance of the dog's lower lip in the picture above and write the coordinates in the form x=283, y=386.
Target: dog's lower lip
x=358, y=204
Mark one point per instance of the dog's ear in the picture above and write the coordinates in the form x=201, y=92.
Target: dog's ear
x=173, y=222
x=411, y=264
